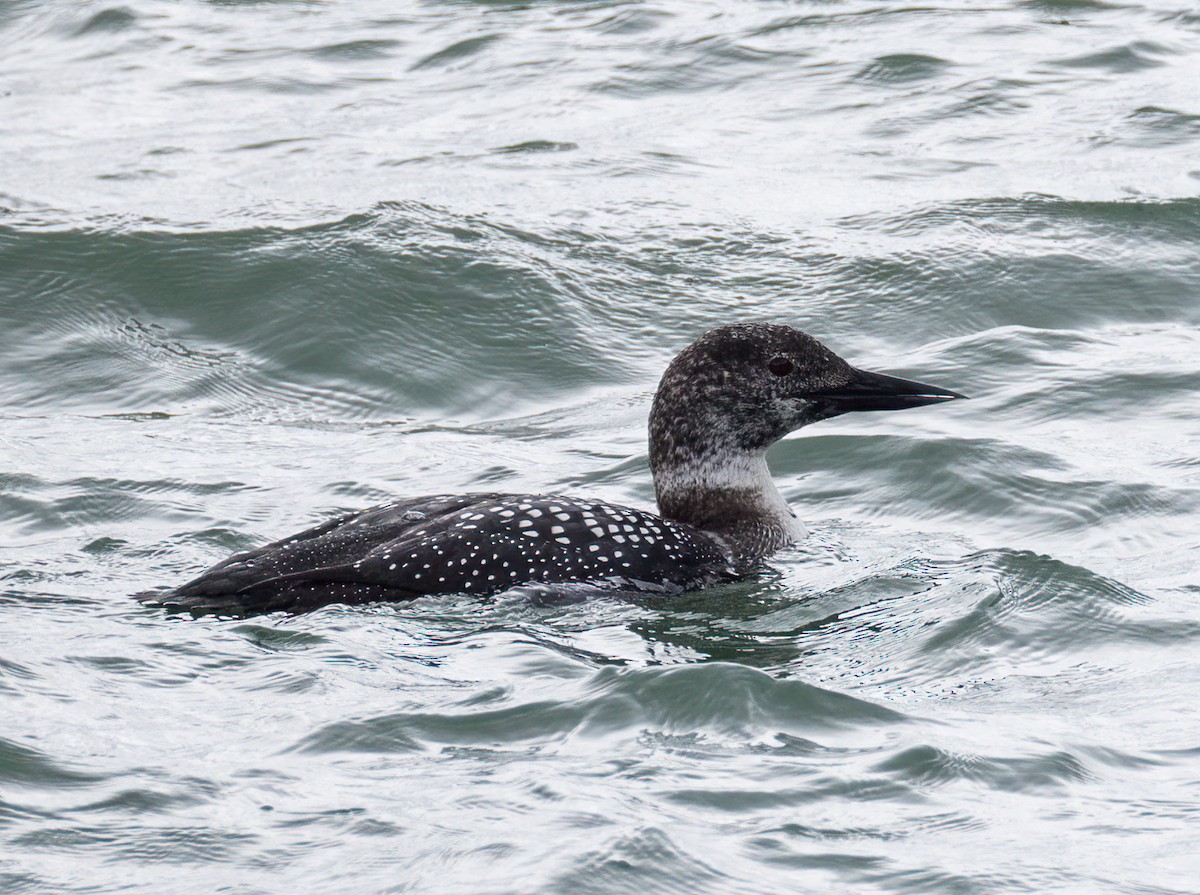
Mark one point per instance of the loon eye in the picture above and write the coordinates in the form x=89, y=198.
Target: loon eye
x=780, y=366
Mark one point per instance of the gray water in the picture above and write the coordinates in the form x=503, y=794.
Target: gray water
x=261, y=263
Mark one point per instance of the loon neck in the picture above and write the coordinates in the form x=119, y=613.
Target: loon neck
x=729, y=495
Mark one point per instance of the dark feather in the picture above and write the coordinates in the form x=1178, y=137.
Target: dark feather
x=473, y=543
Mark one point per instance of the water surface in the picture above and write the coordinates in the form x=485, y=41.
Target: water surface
x=262, y=262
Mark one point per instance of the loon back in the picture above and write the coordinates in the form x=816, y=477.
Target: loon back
x=722, y=402
x=471, y=543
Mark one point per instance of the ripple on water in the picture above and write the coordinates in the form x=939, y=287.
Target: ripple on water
x=976, y=677
x=714, y=699
x=457, y=52
x=1152, y=126
x=217, y=353
x=353, y=50
x=648, y=859
x=902, y=68
x=115, y=18
x=928, y=765
x=947, y=629
x=1125, y=59
x=26, y=766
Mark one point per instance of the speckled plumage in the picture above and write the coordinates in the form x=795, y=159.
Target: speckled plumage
x=472, y=543
x=721, y=403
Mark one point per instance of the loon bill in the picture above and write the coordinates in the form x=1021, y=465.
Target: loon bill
x=721, y=403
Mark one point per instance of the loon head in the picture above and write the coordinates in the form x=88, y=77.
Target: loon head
x=733, y=393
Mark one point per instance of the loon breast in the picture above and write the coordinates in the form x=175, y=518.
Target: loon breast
x=472, y=543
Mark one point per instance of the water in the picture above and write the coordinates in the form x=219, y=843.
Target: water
x=265, y=262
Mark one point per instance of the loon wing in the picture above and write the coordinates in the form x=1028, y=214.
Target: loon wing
x=269, y=577
x=480, y=543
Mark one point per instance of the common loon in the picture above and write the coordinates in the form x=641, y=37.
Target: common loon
x=721, y=403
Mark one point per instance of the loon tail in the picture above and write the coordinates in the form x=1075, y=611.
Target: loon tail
x=288, y=593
